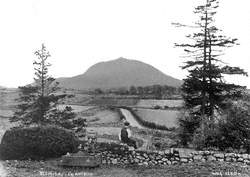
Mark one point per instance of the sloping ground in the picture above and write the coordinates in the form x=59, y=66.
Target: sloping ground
x=7, y=102
x=160, y=117
x=5, y=113
x=119, y=73
x=103, y=116
x=5, y=125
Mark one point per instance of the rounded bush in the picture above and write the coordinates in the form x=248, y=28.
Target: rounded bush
x=37, y=143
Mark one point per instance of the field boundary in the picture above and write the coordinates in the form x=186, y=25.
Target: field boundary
x=145, y=123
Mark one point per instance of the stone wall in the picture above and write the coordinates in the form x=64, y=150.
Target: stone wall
x=168, y=157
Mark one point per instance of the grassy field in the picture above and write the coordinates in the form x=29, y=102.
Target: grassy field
x=150, y=103
x=76, y=108
x=109, y=101
x=161, y=117
x=5, y=125
x=7, y=102
x=106, y=116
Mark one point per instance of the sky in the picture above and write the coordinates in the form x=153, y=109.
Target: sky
x=80, y=33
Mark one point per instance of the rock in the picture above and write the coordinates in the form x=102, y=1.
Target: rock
x=246, y=162
x=234, y=159
x=164, y=159
x=167, y=151
x=131, y=148
x=220, y=160
x=158, y=157
x=114, y=161
x=137, y=160
x=145, y=163
x=160, y=162
x=228, y=159
x=177, y=158
x=184, y=160
x=203, y=159
x=145, y=155
x=211, y=158
x=219, y=155
x=207, y=152
x=174, y=162
x=161, y=152
x=245, y=156
x=230, y=155
x=240, y=160
x=183, y=155
x=140, y=157
x=197, y=157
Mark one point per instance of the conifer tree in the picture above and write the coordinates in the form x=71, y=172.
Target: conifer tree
x=38, y=101
x=205, y=89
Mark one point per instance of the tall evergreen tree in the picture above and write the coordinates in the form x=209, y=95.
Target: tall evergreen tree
x=205, y=89
x=38, y=101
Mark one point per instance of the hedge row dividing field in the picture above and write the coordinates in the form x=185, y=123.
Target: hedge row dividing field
x=161, y=117
x=146, y=123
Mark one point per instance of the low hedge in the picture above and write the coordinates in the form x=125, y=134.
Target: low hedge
x=37, y=143
x=147, y=123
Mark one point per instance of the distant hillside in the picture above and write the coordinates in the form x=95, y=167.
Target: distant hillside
x=119, y=73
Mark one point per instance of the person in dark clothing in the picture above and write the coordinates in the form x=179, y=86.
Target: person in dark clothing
x=125, y=135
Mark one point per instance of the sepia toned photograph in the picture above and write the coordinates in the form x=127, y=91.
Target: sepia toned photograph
x=124, y=88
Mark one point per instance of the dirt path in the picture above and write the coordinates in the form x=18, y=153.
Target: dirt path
x=3, y=172
x=130, y=118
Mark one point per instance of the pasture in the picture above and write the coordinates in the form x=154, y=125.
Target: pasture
x=160, y=117
x=76, y=108
x=151, y=103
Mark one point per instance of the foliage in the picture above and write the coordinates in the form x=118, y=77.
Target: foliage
x=235, y=128
x=156, y=91
x=187, y=127
x=204, y=90
x=38, y=102
x=37, y=143
x=232, y=131
x=145, y=123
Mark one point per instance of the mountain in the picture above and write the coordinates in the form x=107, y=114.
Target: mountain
x=119, y=73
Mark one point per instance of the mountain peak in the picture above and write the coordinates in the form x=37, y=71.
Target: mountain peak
x=120, y=72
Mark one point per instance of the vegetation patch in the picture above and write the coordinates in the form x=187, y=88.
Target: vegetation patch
x=37, y=143
x=167, y=118
x=146, y=123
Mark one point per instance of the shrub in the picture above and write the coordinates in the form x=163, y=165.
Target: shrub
x=198, y=140
x=157, y=107
x=235, y=129
x=232, y=132
x=37, y=143
x=187, y=127
x=113, y=147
